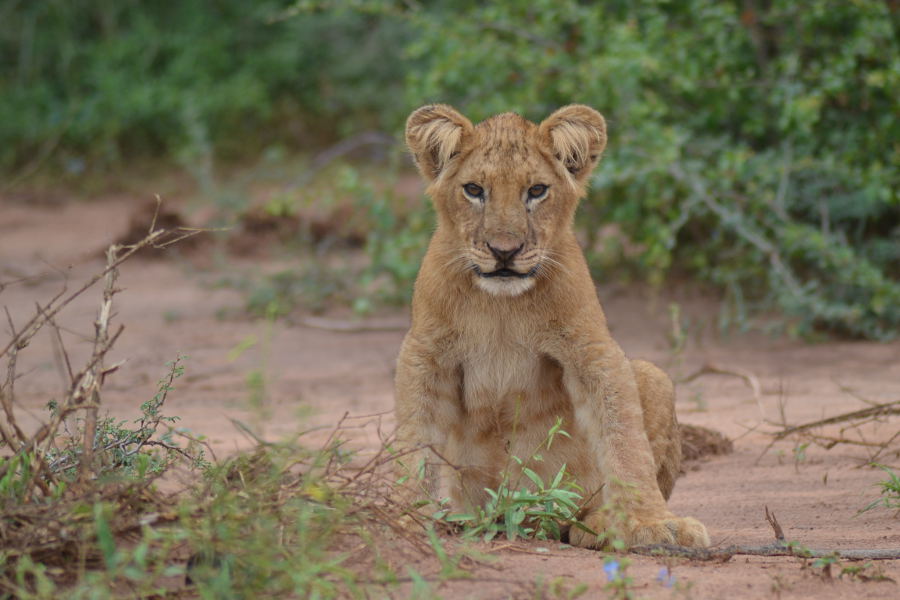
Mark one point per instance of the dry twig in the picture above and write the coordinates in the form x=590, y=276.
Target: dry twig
x=852, y=422
x=776, y=527
x=747, y=376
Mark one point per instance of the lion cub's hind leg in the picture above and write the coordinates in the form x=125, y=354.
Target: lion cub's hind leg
x=658, y=402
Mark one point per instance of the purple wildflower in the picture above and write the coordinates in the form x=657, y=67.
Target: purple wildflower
x=665, y=577
x=611, y=569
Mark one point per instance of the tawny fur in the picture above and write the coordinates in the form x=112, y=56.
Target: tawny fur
x=490, y=364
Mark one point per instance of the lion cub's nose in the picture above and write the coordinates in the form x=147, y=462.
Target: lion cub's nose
x=504, y=250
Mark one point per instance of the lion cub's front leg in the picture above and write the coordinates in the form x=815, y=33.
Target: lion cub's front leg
x=427, y=407
x=604, y=392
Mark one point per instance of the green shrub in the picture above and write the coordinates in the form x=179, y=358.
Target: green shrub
x=98, y=81
x=752, y=145
x=754, y=148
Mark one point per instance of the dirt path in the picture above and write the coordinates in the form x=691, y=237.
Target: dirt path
x=312, y=377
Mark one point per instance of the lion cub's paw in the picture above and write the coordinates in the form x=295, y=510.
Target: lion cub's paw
x=684, y=531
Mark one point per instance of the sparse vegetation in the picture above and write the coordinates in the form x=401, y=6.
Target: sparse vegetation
x=890, y=491
x=519, y=512
x=523, y=505
x=826, y=566
x=85, y=516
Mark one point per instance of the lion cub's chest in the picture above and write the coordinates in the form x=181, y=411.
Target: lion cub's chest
x=504, y=376
x=494, y=372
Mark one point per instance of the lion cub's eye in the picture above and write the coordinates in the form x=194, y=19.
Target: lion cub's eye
x=536, y=191
x=473, y=190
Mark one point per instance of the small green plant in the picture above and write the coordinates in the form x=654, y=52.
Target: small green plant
x=449, y=562
x=779, y=584
x=800, y=454
x=521, y=509
x=798, y=549
x=122, y=449
x=18, y=476
x=700, y=403
x=860, y=572
x=825, y=564
x=890, y=491
x=521, y=512
x=779, y=455
x=864, y=572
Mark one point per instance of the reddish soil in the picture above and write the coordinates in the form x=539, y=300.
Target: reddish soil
x=313, y=377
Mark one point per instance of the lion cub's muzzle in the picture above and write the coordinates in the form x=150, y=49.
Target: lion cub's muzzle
x=504, y=253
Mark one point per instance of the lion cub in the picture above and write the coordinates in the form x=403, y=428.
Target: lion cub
x=508, y=336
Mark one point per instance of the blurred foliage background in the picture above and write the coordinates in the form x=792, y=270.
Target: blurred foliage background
x=754, y=144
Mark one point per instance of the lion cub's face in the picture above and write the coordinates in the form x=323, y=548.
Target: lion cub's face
x=506, y=189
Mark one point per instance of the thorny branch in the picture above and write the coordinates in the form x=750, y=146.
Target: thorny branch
x=84, y=387
x=156, y=239
x=733, y=219
x=94, y=377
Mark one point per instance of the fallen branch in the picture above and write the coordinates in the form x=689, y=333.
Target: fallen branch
x=878, y=410
x=776, y=549
x=779, y=548
x=828, y=442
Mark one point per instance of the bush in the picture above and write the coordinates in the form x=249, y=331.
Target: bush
x=101, y=81
x=752, y=144
x=752, y=147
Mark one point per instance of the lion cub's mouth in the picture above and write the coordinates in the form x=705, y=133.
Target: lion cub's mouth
x=505, y=272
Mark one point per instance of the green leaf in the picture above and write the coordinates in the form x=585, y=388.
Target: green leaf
x=105, y=537
x=459, y=518
x=534, y=477
x=559, y=476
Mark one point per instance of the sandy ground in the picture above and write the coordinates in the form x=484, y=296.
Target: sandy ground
x=313, y=377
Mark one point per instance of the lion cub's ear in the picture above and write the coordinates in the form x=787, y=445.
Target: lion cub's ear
x=577, y=136
x=434, y=134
